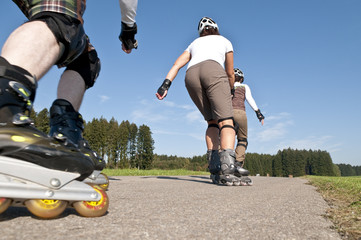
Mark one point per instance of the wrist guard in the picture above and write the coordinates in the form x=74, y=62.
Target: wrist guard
x=164, y=87
x=127, y=36
x=259, y=115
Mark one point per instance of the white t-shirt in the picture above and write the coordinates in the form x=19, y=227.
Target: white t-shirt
x=211, y=47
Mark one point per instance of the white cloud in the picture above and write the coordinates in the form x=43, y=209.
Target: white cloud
x=103, y=98
x=276, y=127
x=194, y=116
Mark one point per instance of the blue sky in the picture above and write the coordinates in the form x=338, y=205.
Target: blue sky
x=301, y=59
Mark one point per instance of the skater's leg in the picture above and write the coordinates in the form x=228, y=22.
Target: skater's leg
x=79, y=75
x=21, y=45
x=66, y=122
x=31, y=145
x=71, y=88
x=227, y=133
x=240, y=118
x=212, y=135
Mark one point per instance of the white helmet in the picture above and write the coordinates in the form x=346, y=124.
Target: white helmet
x=238, y=72
x=206, y=21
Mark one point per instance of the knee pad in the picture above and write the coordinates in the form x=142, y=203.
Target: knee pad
x=228, y=126
x=242, y=142
x=213, y=125
x=214, y=163
x=227, y=159
x=87, y=65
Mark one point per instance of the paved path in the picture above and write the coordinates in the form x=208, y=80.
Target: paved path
x=187, y=207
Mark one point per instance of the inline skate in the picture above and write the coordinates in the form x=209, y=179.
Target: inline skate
x=38, y=171
x=232, y=173
x=67, y=125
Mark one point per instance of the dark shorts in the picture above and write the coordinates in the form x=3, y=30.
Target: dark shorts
x=79, y=55
x=208, y=86
x=68, y=31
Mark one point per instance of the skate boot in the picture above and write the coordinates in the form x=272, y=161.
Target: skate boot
x=242, y=173
x=38, y=171
x=214, y=165
x=228, y=168
x=67, y=125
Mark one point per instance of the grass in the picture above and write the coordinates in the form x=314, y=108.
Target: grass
x=344, y=197
x=153, y=172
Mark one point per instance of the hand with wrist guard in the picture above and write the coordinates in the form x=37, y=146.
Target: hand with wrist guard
x=260, y=116
x=163, y=89
x=127, y=37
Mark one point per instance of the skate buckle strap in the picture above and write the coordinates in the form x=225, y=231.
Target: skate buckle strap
x=21, y=119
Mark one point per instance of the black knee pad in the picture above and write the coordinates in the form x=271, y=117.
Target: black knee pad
x=242, y=142
x=213, y=125
x=88, y=66
x=228, y=126
x=68, y=31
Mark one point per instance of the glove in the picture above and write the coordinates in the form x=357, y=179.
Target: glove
x=127, y=36
x=232, y=92
x=161, y=93
x=259, y=115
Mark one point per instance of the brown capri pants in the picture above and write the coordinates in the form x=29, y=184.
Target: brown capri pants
x=208, y=86
x=240, y=117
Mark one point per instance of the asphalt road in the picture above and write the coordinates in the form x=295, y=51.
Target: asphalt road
x=187, y=207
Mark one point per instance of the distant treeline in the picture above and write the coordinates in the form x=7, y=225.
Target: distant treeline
x=125, y=145
x=284, y=163
x=348, y=170
x=122, y=145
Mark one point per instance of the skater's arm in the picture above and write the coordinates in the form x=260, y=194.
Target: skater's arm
x=128, y=10
x=253, y=104
x=128, y=27
x=179, y=63
x=250, y=99
x=229, y=68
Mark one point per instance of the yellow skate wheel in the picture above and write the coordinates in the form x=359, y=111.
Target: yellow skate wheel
x=93, y=209
x=46, y=208
x=105, y=185
x=4, y=204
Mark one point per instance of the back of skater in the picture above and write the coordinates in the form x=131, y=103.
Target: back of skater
x=242, y=92
x=209, y=79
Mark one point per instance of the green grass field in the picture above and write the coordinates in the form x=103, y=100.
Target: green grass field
x=153, y=172
x=343, y=194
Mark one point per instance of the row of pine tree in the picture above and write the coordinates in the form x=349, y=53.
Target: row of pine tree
x=126, y=145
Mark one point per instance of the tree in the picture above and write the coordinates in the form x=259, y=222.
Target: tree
x=145, y=147
x=41, y=121
x=123, y=144
x=277, y=165
x=132, y=144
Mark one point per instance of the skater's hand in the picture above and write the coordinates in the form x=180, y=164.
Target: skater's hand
x=160, y=97
x=163, y=89
x=127, y=37
x=126, y=50
x=260, y=116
